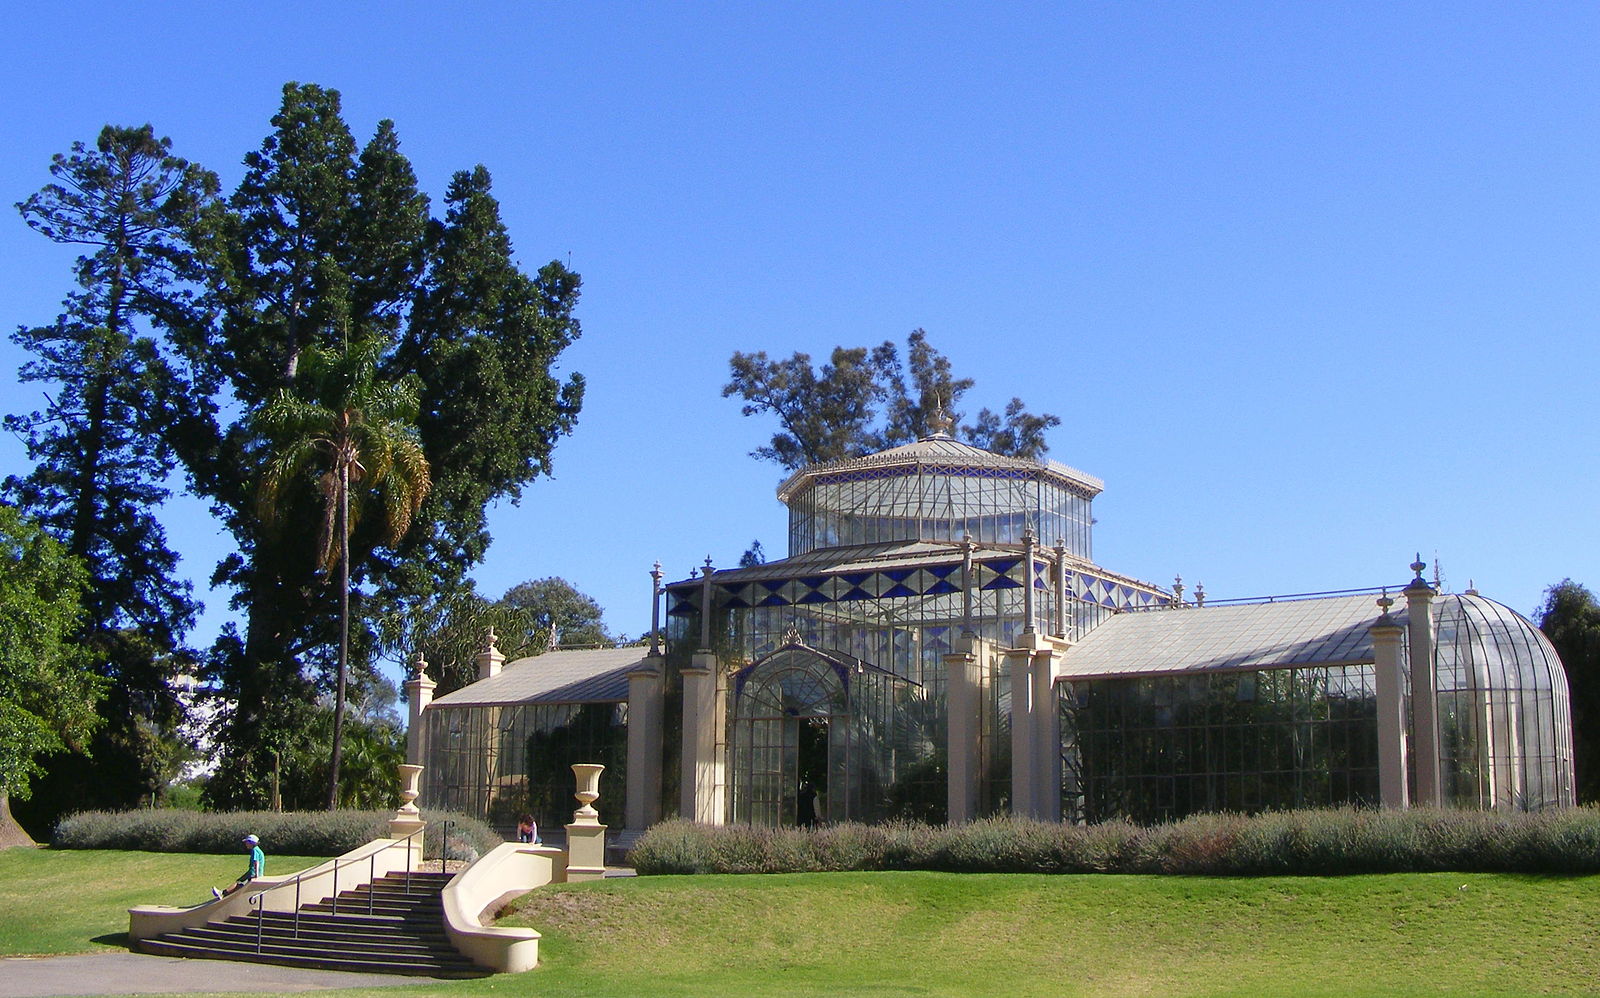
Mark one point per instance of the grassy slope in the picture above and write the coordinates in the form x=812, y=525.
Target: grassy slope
x=943, y=934
x=937, y=934
x=69, y=901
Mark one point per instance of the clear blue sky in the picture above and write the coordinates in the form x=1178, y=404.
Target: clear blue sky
x=1312, y=286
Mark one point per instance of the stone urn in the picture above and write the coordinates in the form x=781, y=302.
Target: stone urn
x=588, y=775
x=409, y=776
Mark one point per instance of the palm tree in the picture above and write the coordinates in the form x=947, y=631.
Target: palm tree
x=352, y=438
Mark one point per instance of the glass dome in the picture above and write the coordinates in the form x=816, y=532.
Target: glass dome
x=939, y=489
x=1505, y=730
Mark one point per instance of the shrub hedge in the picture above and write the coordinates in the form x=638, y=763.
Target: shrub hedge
x=1288, y=842
x=290, y=833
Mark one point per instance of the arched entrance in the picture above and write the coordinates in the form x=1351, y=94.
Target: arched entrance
x=791, y=738
x=818, y=728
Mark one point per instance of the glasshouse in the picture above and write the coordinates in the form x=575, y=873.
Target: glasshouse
x=940, y=645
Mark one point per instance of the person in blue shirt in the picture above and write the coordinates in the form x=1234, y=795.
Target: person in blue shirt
x=258, y=861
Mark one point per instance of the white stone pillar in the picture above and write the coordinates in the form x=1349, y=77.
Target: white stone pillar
x=1019, y=663
x=419, y=693
x=1424, y=690
x=701, y=776
x=964, y=705
x=643, y=806
x=1047, y=656
x=1392, y=780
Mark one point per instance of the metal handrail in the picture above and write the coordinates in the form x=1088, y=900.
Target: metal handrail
x=258, y=899
x=444, y=842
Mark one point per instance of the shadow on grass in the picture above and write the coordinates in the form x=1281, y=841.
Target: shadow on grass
x=117, y=939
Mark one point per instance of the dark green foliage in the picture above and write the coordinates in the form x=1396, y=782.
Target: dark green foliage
x=101, y=448
x=345, y=445
x=865, y=400
x=561, y=616
x=450, y=631
x=1298, y=843
x=373, y=748
x=47, y=690
x=1570, y=618
x=319, y=247
x=289, y=833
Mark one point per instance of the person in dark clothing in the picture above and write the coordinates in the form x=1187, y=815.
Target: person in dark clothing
x=805, y=809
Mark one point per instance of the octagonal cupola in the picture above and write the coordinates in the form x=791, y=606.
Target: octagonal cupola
x=938, y=489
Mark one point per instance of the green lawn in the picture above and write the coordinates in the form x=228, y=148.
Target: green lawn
x=77, y=901
x=947, y=934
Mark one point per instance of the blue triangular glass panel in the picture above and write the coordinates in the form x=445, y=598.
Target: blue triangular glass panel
x=900, y=590
x=774, y=600
x=1003, y=582
x=898, y=574
x=943, y=571
x=773, y=585
x=857, y=593
x=941, y=587
x=856, y=578
x=815, y=597
x=814, y=581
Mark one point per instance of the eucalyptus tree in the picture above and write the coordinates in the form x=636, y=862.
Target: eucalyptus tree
x=864, y=400
x=348, y=441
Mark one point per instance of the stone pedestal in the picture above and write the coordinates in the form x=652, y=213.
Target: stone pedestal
x=586, y=837
x=407, y=818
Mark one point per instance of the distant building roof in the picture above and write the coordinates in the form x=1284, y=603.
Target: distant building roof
x=596, y=675
x=1326, y=631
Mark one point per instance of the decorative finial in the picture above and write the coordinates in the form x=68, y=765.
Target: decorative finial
x=1418, y=566
x=1384, y=602
x=1472, y=587
x=655, y=573
x=1199, y=594
x=708, y=565
x=939, y=422
x=419, y=666
x=489, y=639
x=1177, y=589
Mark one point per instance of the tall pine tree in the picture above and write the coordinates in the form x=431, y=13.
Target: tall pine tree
x=99, y=444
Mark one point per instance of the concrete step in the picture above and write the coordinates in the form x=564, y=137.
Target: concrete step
x=363, y=963
x=365, y=943
x=318, y=929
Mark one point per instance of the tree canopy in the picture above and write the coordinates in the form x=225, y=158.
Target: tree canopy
x=101, y=449
x=47, y=687
x=212, y=308
x=1570, y=618
x=865, y=399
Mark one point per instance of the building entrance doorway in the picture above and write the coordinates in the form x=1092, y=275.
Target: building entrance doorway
x=790, y=740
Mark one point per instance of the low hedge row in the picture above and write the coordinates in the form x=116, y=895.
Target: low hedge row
x=1289, y=842
x=290, y=833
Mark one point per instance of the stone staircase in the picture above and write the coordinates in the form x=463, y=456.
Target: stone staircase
x=403, y=934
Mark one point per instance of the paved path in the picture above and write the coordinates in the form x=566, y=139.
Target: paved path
x=140, y=974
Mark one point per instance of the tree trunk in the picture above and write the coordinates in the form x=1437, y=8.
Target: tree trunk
x=11, y=833
x=344, y=632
